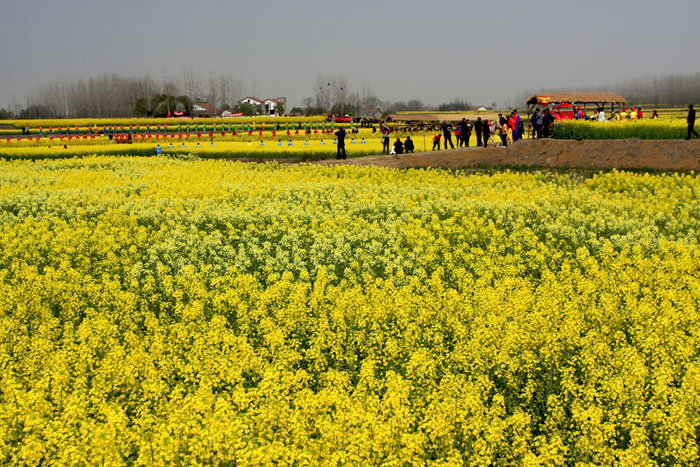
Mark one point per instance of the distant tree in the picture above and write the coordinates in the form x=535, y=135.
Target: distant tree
x=5, y=114
x=248, y=109
x=163, y=103
x=314, y=111
x=296, y=111
x=455, y=105
x=280, y=109
x=307, y=101
x=141, y=109
x=34, y=111
x=678, y=89
x=415, y=104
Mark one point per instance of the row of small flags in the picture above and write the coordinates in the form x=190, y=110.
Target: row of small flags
x=279, y=143
x=222, y=127
x=121, y=138
x=144, y=136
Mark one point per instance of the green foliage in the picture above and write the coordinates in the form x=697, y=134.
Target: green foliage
x=141, y=109
x=162, y=103
x=248, y=109
x=455, y=105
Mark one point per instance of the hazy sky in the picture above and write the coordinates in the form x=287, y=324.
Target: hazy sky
x=488, y=50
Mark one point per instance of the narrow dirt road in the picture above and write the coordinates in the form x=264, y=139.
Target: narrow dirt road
x=546, y=153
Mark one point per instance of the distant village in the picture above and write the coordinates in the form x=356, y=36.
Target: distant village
x=246, y=106
x=273, y=107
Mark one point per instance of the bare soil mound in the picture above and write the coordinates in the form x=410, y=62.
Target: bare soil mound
x=551, y=153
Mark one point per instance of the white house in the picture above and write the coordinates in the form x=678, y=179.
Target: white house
x=250, y=100
x=267, y=106
x=270, y=105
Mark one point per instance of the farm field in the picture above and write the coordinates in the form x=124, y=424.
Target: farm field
x=318, y=143
x=300, y=138
x=643, y=129
x=162, y=311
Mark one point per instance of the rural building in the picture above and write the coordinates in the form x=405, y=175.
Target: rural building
x=204, y=109
x=478, y=108
x=268, y=106
x=250, y=100
x=598, y=99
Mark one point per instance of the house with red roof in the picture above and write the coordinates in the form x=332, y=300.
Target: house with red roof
x=204, y=109
x=270, y=106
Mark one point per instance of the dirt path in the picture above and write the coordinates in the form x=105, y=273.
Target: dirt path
x=606, y=154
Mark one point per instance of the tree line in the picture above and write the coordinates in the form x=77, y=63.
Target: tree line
x=333, y=94
x=671, y=89
x=113, y=95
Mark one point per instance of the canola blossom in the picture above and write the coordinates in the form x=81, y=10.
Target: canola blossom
x=158, y=311
x=312, y=149
x=318, y=144
x=84, y=123
x=643, y=129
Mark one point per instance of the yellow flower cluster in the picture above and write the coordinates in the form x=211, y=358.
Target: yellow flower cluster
x=85, y=123
x=315, y=148
x=157, y=311
x=643, y=129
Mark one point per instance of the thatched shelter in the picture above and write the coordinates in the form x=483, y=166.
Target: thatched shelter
x=599, y=99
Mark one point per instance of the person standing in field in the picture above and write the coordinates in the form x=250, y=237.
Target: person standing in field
x=511, y=125
x=487, y=133
x=503, y=128
x=447, y=134
x=639, y=113
x=691, y=121
x=478, y=129
x=340, y=134
x=466, y=131
x=385, y=140
x=519, y=127
x=537, y=123
x=547, y=121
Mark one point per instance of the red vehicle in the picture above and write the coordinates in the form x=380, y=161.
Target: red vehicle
x=563, y=111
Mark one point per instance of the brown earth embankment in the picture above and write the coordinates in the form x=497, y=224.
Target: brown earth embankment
x=550, y=153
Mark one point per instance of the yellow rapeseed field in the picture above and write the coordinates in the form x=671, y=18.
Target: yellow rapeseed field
x=157, y=311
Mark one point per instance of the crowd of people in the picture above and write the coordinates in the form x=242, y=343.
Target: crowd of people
x=508, y=129
x=399, y=147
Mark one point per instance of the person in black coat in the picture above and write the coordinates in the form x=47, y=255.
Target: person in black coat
x=691, y=121
x=340, y=134
x=398, y=146
x=447, y=134
x=478, y=129
x=487, y=132
x=408, y=144
x=547, y=121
